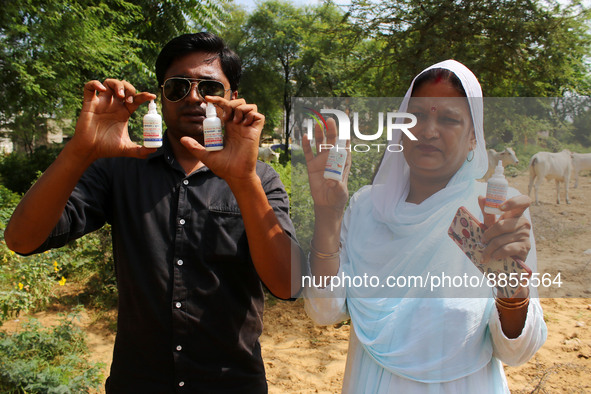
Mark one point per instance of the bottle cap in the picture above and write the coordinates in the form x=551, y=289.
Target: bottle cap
x=152, y=107
x=499, y=168
x=210, y=111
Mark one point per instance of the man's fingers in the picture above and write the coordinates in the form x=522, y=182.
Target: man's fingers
x=119, y=89
x=227, y=106
x=90, y=89
x=139, y=99
x=195, y=148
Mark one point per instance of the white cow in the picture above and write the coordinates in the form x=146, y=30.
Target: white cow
x=507, y=157
x=557, y=166
x=267, y=154
x=581, y=161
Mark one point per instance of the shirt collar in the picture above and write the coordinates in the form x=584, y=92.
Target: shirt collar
x=165, y=151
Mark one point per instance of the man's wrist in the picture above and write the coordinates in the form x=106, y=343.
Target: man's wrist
x=78, y=154
x=244, y=184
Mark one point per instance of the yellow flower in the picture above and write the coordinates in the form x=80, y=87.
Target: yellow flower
x=20, y=286
x=47, y=251
x=62, y=281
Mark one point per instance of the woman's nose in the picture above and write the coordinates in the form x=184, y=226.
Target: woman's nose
x=427, y=129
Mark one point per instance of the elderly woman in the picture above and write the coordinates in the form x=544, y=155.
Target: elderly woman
x=398, y=226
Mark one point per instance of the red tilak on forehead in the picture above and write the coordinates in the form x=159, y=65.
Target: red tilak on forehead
x=438, y=79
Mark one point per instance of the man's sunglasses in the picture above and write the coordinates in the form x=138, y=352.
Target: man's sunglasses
x=177, y=88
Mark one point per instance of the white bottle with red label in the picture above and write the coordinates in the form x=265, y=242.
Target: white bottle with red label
x=335, y=164
x=212, y=130
x=496, y=191
x=152, y=127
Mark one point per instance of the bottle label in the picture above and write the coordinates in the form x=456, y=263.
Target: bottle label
x=495, y=195
x=152, y=131
x=213, y=137
x=336, y=162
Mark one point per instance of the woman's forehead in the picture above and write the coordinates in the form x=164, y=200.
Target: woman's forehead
x=437, y=88
x=455, y=104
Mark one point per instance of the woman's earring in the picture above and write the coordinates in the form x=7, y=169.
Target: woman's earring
x=469, y=159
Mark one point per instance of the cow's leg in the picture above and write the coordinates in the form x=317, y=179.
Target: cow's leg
x=532, y=177
x=566, y=182
x=557, y=191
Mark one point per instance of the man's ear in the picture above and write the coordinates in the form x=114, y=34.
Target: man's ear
x=234, y=95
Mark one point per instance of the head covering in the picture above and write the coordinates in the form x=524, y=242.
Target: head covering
x=394, y=171
x=417, y=337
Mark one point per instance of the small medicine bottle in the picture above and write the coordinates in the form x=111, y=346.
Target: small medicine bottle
x=496, y=191
x=212, y=130
x=335, y=164
x=152, y=127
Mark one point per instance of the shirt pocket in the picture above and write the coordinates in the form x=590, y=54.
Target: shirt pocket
x=224, y=236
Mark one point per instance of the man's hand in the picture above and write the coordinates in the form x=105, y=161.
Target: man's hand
x=243, y=125
x=101, y=130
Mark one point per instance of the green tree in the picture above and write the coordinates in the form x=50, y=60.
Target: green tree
x=49, y=49
x=290, y=51
x=516, y=47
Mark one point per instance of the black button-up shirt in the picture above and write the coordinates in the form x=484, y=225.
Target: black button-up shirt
x=190, y=299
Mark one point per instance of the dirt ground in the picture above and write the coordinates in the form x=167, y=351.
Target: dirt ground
x=301, y=357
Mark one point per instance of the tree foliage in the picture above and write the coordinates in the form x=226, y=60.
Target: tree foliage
x=520, y=48
x=49, y=49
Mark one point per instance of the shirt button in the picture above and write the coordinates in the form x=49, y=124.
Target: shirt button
x=178, y=304
x=180, y=262
x=185, y=182
x=179, y=348
x=182, y=221
x=181, y=384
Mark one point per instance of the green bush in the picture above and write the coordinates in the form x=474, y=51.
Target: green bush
x=284, y=171
x=47, y=360
x=28, y=282
x=19, y=170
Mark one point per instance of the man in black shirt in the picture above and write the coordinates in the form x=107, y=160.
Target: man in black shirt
x=194, y=232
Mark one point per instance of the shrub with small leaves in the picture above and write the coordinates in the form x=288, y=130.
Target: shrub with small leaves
x=47, y=360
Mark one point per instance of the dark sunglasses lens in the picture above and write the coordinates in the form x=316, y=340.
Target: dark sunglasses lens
x=211, y=88
x=175, y=89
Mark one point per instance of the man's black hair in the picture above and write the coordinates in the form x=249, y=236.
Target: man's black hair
x=200, y=42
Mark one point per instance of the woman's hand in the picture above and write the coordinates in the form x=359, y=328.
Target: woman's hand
x=330, y=198
x=327, y=194
x=508, y=235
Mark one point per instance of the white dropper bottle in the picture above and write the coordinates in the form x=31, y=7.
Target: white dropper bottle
x=212, y=130
x=152, y=127
x=496, y=191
